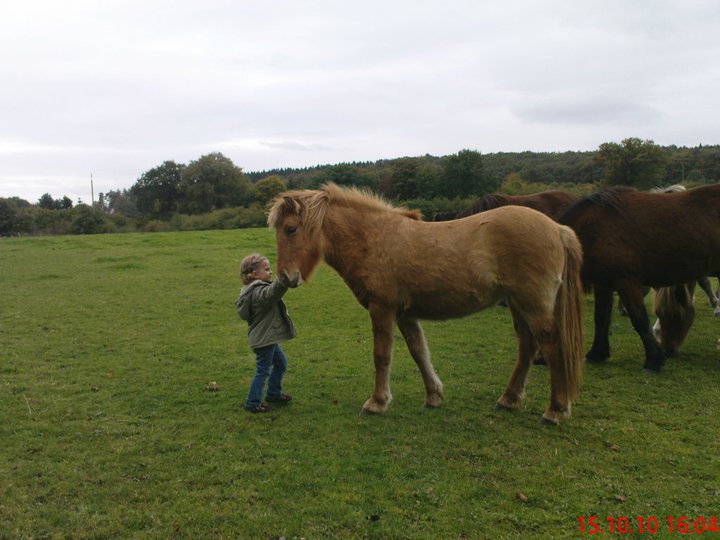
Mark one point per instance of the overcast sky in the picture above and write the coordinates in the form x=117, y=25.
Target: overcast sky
x=114, y=88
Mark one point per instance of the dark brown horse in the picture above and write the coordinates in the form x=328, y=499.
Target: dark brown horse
x=675, y=305
x=550, y=203
x=633, y=239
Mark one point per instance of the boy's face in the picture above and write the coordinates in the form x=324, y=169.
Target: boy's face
x=263, y=271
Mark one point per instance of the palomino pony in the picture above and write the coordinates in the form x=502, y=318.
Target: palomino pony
x=633, y=239
x=550, y=203
x=402, y=269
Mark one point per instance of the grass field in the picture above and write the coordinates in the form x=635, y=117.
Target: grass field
x=106, y=429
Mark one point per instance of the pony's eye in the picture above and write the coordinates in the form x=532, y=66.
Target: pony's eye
x=290, y=230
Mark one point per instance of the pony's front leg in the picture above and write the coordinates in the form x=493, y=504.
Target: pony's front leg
x=417, y=345
x=600, y=350
x=382, y=327
x=632, y=297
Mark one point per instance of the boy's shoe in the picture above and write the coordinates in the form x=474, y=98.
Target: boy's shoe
x=263, y=407
x=282, y=398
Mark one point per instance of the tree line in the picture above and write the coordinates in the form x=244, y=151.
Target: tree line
x=212, y=192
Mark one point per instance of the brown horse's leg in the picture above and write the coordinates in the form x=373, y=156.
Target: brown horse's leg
x=415, y=339
x=600, y=350
x=382, y=327
x=515, y=390
x=632, y=297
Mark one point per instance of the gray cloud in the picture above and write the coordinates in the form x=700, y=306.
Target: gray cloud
x=588, y=111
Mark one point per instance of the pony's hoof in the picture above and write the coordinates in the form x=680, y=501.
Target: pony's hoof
x=540, y=361
x=651, y=372
x=595, y=360
x=373, y=408
x=654, y=363
x=434, y=401
x=549, y=421
x=502, y=406
x=509, y=402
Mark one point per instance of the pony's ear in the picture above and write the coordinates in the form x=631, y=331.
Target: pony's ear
x=413, y=214
x=282, y=205
x=290, y=205
x=307, y=204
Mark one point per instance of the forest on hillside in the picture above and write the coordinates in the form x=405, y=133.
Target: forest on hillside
x=212, y=192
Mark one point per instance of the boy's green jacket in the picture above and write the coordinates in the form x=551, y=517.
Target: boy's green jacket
x=260, y=304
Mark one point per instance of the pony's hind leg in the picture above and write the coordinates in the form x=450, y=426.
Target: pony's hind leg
x=539, y=332
x=515, y=390
x=417, y=345
x=548, y=339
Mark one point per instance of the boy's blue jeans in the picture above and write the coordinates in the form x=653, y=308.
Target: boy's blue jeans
x=270, y=363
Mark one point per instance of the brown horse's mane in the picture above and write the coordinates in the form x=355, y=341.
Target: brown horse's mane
x=311, y=205
x=549, y=203
x=610, y=198
x=488, y=202
x=484, y=203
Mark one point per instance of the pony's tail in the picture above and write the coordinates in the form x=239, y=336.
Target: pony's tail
x=569, y=313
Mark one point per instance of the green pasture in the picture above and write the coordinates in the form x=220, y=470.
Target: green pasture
x=107, y=430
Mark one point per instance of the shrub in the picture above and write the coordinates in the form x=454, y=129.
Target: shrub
x=86, y=220
x=225, y=218
x=156, y=225
x=53, y=221
x=121, y=223
x=8, y=217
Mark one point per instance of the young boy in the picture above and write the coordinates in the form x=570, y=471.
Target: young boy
x=260, y=304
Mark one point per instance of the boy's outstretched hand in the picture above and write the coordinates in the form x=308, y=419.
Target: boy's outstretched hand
x=290, y=282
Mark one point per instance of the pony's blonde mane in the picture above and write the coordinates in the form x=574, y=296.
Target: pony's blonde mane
x=311, y=205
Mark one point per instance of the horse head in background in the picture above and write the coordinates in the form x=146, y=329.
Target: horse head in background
x=402, y=270
x=675, y=310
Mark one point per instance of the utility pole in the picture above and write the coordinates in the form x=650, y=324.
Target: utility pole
x=92, y=192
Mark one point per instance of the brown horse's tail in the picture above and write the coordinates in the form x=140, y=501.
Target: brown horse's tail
x=569, y=313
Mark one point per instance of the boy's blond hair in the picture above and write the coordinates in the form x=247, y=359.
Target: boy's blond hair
x=248, y=265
